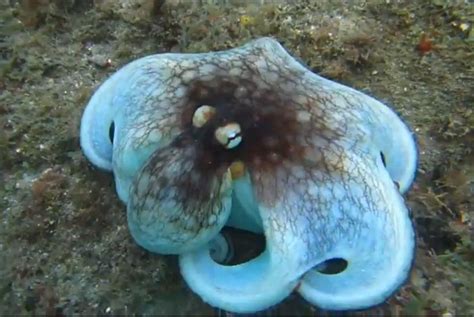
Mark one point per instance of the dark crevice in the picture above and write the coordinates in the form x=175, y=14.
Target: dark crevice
x=112, y=132
x=245, y=245
x=383, y=159
x=332, y=266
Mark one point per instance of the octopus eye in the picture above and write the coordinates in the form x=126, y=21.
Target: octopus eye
x=112, y=132
x=202, y=115
x=383, y=159
x=229, y=135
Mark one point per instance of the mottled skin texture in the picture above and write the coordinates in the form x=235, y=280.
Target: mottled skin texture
x=325, y=166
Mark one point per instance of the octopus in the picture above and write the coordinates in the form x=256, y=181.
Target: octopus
x=250, y=138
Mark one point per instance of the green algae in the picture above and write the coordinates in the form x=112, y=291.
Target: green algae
x=64, y=245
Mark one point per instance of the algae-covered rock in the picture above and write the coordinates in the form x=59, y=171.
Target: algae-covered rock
x=134, y=11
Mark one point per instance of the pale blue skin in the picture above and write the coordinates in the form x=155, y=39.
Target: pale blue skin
x=357, y=214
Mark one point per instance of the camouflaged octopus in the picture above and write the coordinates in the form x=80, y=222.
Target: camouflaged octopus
x=250, y=138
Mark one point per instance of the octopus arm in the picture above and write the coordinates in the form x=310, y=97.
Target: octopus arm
x=356, y=216
x=245, y=288
x=367, y=225
x=395, y=142
x=128, y=118
x=371, y=124
x=172, y=208
x=97, y=123
x=387, y=135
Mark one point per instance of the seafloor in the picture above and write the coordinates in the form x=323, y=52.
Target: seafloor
x=64, y=244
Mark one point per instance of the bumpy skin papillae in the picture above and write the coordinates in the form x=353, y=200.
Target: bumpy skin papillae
x=316, y=183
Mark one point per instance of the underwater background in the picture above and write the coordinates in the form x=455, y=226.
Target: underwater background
x=64, y=243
